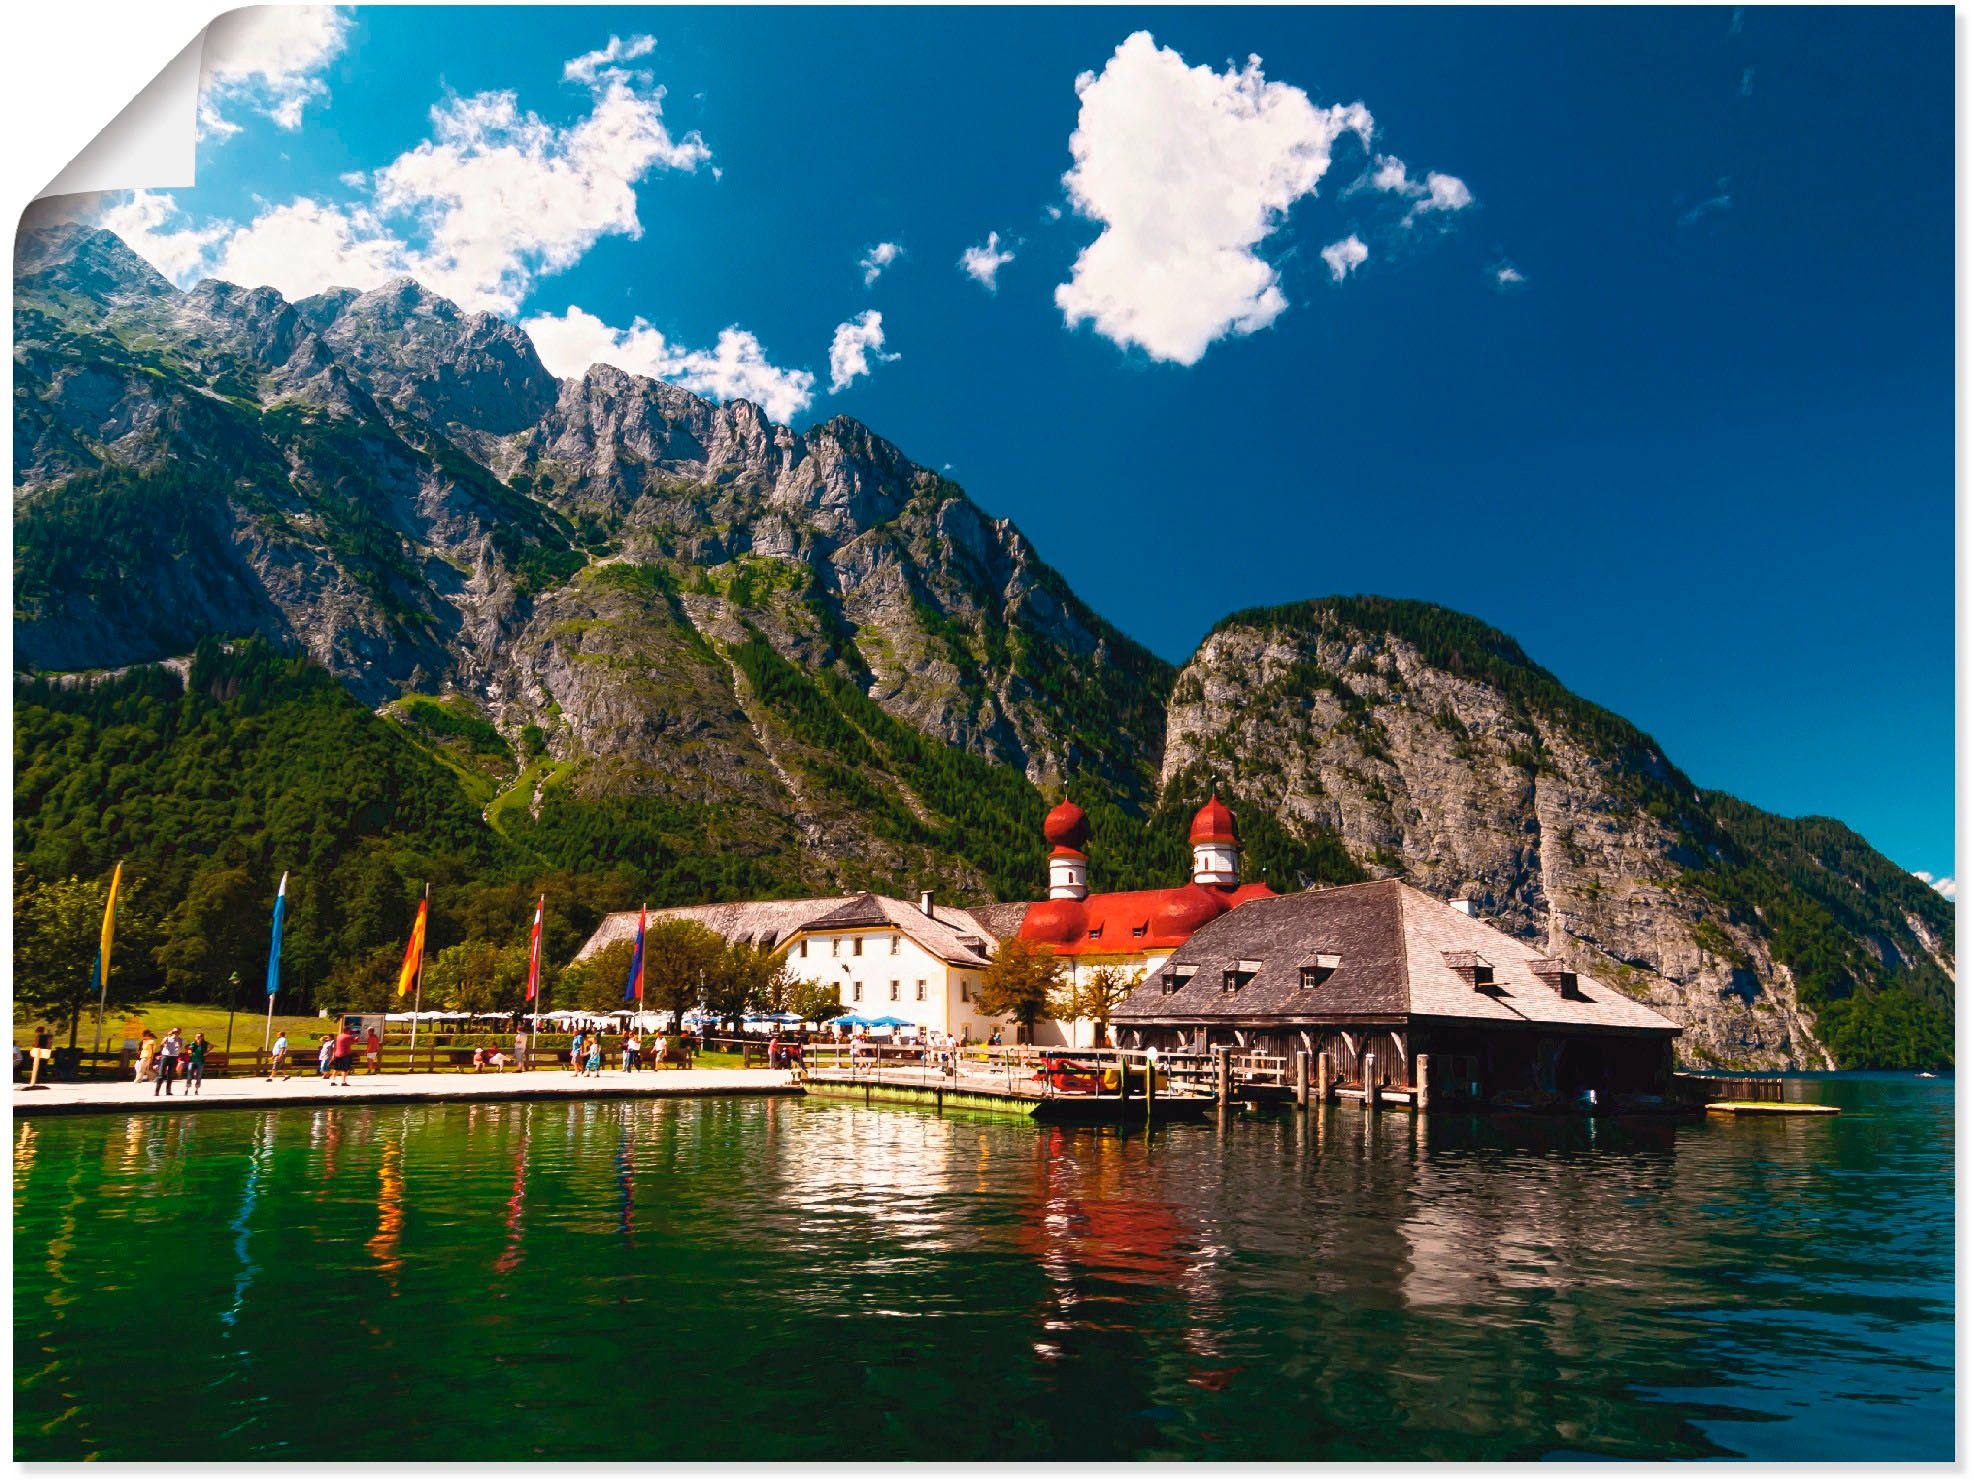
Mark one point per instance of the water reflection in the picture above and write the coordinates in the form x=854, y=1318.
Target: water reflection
x=821, y=1281
x=263, y=1145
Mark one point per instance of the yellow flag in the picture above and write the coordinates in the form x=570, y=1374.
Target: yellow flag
x=109, y=924
x=413, y=953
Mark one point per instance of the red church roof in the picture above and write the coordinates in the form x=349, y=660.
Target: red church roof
x=1138, y=920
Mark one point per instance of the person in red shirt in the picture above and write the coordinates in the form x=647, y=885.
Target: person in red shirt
x=345, y=1049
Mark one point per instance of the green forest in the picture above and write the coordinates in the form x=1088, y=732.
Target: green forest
x=207, y=789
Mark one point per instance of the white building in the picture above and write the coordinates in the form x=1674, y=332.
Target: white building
x=886, y=957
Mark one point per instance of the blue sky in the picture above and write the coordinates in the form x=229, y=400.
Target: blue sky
x=1644, y=353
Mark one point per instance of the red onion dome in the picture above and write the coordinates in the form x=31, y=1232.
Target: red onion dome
x=1214, y=823
x=1182, y=910
x=1067, y=827
x=1059, y=922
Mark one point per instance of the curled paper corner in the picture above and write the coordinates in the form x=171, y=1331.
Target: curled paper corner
x=152, y=144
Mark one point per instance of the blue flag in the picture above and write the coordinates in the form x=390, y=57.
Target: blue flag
x=633, y=988
x=274, y=950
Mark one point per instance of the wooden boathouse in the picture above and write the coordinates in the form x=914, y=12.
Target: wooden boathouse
x=1397, y=990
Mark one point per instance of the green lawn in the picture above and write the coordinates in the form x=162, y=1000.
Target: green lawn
x=160, y=1017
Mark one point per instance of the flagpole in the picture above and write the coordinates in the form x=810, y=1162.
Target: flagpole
x=417, y=1002
x=103, y=959
x=274, y=963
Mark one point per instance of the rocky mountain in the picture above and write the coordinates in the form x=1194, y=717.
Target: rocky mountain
x=644, y=630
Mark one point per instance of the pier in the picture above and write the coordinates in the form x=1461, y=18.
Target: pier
x=1090, y=1084
x=99, y=1097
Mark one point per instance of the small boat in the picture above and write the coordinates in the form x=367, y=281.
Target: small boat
x=1925, y=1074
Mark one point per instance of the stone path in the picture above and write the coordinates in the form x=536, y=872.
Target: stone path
x=98, y=1096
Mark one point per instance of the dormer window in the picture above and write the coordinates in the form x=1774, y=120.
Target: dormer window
x=1319, y=970
x=1556, y=976
x=1095, y=932
x=1170, y=980
x=1139, y=931
x=1241, y=973
x=1473, y=969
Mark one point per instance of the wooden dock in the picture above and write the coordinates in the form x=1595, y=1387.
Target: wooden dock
x=1769, y=1107
x=1004, y=1082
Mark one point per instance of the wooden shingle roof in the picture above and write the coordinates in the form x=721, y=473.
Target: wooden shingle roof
x=1394, y=951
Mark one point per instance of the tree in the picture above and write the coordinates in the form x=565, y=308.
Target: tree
x=57, y=930
x=680, y=957
x=596, y=985
x=814, y=1002
x=1097, y=996
x=218, y=929
x=747, y=978
x=478, y=976
x=1022, y=978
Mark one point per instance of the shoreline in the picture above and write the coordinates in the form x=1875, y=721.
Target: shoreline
x=98, y=1098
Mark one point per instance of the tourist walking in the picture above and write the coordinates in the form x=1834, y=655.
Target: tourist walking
x=279, y=1063
x=575, y=1053
x=325, y=1050
x=373, y=1046
x=146, y=1057
x=632, y=1049
x=195, y=1065
x=660, y=1051
x=345, y=1050
x=595, y=1055
x=167, y=1061
x=520, y=1050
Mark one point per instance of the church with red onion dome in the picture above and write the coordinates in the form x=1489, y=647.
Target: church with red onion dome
x=1138, y=929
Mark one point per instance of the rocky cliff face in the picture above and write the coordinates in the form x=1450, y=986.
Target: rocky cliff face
x=805, y=650
x=1438, y=751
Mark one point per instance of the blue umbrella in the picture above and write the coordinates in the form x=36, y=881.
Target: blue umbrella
x=892, y=1022
x=853, y=1020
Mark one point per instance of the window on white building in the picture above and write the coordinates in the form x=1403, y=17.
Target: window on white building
x=855, y=991
x=920, y=991
x=835, y=945
x=804, y=950
x=965, y=990
x=896, y=944
x=856, y=947
x=893, y=991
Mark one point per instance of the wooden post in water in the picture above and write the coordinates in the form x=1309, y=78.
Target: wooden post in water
x=1369, y=1081
x=1421, y=1082
x=1149, y=1090
x=1224, y=1055
x=1324, y=1078
x=1301, y=1078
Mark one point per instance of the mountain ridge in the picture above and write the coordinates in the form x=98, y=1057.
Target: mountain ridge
x=691, y=632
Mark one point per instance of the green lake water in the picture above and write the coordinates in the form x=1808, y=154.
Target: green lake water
x=762, y=1279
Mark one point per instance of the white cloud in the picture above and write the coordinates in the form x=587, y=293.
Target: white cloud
x=493, y=201
x=1506, y=276
x=855, y=344
x=307, y=246
x=265, y=57
x=590, y=64
x=1188, y=170
x=876, y=259
x=1721, y=201
x=736, y=369
x=1390, y=175
x=983, y=262
x=1435, y=192
x=503, y=197
x=179, y=252
x=1946, y=886
x=1345, y=256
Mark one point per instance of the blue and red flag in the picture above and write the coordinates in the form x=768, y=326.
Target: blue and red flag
x=633, y=989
